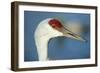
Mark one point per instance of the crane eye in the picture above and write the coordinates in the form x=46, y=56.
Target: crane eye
x=53, y=25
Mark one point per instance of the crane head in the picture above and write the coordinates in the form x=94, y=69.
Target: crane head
x=57, y=25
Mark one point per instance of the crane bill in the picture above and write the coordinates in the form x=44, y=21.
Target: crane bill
x=74, y=36
x=69, y=34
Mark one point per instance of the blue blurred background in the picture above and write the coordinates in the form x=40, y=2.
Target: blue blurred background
x=59, y=48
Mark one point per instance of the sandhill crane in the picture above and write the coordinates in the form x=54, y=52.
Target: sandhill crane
x=47, y=29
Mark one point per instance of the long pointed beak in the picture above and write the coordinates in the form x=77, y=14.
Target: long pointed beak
x=72, y=35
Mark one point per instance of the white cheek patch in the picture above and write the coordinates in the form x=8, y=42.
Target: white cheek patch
x=46, y=31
